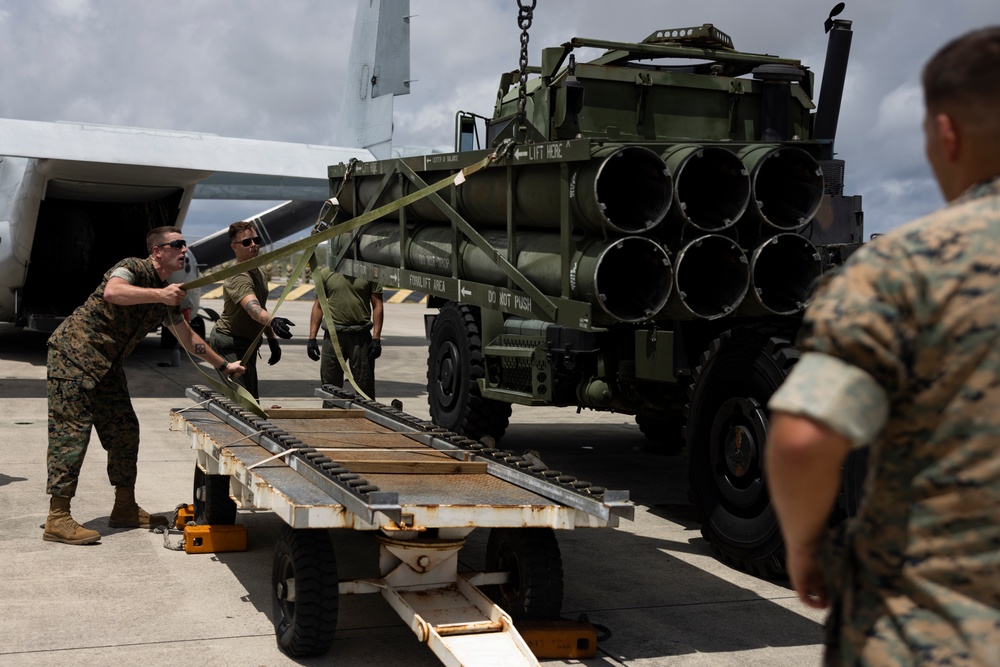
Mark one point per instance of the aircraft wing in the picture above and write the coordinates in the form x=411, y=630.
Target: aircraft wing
x=223, y=167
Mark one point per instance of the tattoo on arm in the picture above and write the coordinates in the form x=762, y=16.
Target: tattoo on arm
x=200, y=349
x=254, y=309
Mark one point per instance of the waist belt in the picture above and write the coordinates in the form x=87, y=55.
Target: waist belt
x=353, y=328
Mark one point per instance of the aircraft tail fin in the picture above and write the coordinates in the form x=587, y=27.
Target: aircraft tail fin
x=378, y=69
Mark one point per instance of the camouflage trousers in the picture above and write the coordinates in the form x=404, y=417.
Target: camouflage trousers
x=354, y=347
x=78, y=404
x=234, y=348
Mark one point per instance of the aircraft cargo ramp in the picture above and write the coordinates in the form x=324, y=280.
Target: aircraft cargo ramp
x=420, y=491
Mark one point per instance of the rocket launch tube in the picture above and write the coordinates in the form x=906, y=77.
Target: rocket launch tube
x=711, y=278
x=787, y=185
x=783, y=272
x=621, y=189
x=627, y=279
x=711, y=186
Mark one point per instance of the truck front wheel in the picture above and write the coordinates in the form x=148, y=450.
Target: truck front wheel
x=726, y=431
x=454, y=365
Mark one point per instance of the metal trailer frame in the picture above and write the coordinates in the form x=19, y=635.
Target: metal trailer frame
x=267, y=468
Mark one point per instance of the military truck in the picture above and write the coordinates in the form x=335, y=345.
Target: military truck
x=644, y=241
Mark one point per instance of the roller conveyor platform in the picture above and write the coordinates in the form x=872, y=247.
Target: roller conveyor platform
x=420, y=490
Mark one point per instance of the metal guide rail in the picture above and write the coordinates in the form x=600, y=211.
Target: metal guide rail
x=362, y=465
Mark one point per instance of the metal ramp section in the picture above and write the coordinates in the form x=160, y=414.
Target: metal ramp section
x=419, y=490
x=443, y=609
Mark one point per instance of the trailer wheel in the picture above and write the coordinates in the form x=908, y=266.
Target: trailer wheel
x=531, y=556
x=454, y=364
x=305, y=586
x=212, y=504
x=726, y=431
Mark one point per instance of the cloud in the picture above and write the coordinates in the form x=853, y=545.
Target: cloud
x=258, y=69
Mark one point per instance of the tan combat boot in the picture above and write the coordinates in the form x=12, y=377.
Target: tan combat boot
x=60, y=526
x=127, y=514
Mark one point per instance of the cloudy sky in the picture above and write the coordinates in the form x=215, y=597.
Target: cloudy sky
x=268, y=70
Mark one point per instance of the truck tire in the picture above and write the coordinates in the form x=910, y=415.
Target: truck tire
x=531, y=556
x=305, y=589
x=727, y=424
x=212, y=504
x=454, y=364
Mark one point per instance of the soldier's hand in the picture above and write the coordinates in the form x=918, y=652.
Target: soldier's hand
x=234, y=369
x=275, y=351
x=374, y=349
x=172, y=294
x=312, y=349
x=279, y=325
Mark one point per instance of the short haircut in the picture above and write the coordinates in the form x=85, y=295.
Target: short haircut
x=156, y=235
x=239, y=227
x=964, y=76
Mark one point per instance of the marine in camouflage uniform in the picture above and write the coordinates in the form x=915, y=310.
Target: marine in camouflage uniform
x=87, y=387
x=357, y=310
x=86, y=380
x=901, y=349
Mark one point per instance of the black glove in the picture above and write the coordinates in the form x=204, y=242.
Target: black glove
x=312, y=349
x=275, y=351
x=374, y=349
x=279, y=325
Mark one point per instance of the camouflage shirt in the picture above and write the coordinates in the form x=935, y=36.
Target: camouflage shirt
x=903, y=351
x=99, y=334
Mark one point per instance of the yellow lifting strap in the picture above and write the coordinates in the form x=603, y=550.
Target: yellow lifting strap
x=240, y=395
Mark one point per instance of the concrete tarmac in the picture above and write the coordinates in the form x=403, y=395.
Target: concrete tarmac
x=650, y=585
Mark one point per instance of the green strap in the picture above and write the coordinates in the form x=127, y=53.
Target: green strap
x=239, y=394
x=324, y=304
x=312, y=241
x=230, y=389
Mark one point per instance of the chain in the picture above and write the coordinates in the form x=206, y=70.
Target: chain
x=524, y=16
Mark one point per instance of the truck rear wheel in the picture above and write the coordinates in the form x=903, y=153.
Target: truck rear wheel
x=726, y=431
x=531, y=556
x=454, y=364
x=305, y=586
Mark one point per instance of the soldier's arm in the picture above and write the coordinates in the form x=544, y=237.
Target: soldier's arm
x=378, y=310
x=123, y=293
x=257, y=312
x=197, y=346
x=315, y=317
x=802, y=468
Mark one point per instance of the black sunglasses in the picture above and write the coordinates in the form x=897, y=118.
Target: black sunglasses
x=176, y=244
x=255, y=240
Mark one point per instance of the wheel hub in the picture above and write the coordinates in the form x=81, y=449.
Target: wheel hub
x=740, y=451
x=447, y=362
x=738, y=435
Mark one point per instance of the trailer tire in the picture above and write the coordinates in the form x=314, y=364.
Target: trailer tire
x=454, y=365
x=531, y=556
x=305, y=592
x=726, y=430
x=212, y=504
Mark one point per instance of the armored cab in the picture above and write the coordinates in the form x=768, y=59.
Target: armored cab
x=642, y=238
